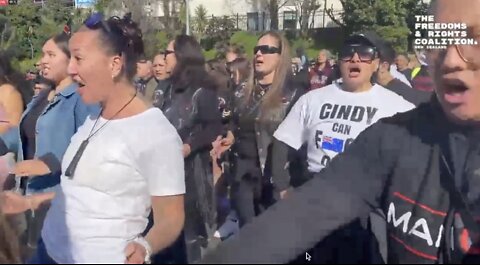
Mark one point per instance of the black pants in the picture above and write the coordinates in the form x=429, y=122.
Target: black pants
x=250, y=193
x=245, y=199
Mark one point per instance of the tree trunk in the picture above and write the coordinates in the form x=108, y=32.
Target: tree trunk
x=166, y=15
x=305, y=16
x=273, y=10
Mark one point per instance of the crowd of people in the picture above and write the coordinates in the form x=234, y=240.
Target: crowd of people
x=110, y=156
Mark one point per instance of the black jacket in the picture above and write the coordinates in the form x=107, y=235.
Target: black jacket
x=266, y=126
x=412, y=95
x=195, y=114
x=396, y=165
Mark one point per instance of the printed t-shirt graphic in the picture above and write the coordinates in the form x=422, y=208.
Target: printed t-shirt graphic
x=329, y=119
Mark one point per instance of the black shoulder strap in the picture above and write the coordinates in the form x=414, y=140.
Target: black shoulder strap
x=458, y=200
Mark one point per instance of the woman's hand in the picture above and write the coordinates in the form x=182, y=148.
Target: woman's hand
x=31, y=168
x=14, y=203
x=135, y=253
x=221, y=145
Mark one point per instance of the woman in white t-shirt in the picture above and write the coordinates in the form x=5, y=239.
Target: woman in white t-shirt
x=329, y=120
x=119, y=165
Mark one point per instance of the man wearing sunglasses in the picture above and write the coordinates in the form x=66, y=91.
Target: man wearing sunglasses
x=329, y=119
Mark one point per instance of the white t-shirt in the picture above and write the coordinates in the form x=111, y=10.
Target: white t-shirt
x=329, y=119
x=108, y=200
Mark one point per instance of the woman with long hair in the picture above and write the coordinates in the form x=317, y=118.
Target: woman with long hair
x=260, y=107
x=191, y=105
x=45, y=128
x=121, y=164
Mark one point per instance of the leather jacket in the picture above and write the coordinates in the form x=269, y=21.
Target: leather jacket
x=264, y=126
x=194, y=113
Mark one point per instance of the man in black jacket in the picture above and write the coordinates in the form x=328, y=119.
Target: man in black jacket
x=387, y=80
x=422, y=168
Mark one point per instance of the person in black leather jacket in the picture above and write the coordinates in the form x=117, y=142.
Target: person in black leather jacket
x=421, y=168
x=191, y=105
x=259, y=107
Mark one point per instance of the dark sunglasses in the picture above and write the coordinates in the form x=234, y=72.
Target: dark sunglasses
x=365, y=53
x=265, y=49
x=167, y=52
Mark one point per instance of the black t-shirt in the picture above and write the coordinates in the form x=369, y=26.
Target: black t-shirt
x=28, y=129
x=414, y=96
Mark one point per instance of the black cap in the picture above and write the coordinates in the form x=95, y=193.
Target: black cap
x=369, y=38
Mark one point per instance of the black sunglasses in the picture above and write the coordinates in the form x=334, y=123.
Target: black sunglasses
x=365, y=53
x=265, y=49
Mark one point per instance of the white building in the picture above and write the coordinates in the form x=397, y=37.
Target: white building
x=251, y=14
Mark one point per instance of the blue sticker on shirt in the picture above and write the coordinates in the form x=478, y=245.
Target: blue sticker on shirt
x=332, y=144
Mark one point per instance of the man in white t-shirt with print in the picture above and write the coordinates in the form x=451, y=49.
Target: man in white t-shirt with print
x=329, y=119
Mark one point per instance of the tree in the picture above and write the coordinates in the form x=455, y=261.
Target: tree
x=272, y=7
x=219, y=31
x=307, y=9
x=102, y=5
x=200, y=22
x=155, y=42
x=24, y=18
x=387, y=17
x=418, y=8
x=56, y=10
x=7, y=35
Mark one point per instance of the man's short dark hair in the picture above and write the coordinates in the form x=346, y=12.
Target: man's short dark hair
x=404, y=54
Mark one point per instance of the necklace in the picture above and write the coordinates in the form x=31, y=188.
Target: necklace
x=78, y=155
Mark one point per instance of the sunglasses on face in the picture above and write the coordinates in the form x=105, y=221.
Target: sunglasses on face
x=265, y=49
x=365, y=53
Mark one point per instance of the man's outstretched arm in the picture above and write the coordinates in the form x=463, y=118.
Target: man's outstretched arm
x=347, y=189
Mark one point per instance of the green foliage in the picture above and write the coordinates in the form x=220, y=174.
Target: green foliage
x=26, y=27
x=305, y=43
x=247, y=40
x=211, y=54
x=218, y=31
x=25, y=65
x=200, y=22
x=56, y=10
x=24, y=17
x=395, y=35
x=390, y=18
x=155, y=42
x=7, y=34
x=102, y=5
